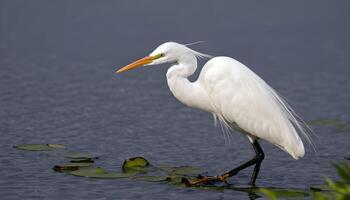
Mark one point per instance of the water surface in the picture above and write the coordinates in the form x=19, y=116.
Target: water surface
x=57, y=86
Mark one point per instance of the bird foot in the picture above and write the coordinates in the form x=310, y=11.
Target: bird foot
x=205, y=180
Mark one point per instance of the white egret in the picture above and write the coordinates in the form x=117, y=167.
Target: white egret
x=236, y=96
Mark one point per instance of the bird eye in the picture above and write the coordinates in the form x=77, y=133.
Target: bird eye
x=162, y=55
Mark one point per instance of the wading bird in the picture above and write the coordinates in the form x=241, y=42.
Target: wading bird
x=235, y=95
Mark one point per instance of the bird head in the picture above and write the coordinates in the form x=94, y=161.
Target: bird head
x=165, y=53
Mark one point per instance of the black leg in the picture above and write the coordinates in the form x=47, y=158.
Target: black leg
x=259, y=156
x=255, y=173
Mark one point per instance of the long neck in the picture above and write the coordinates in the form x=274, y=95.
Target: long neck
x=189, y=93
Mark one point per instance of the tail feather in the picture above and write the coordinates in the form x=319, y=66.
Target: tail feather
x=299, y=125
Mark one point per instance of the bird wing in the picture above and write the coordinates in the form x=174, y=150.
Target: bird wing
x=240, y=96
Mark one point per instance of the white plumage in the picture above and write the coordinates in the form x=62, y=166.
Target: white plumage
x=234, y=94
x=239, y=96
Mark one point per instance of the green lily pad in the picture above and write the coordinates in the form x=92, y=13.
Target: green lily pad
x=100, y=173
x=39, y=147
x=274, y=193
x=58, y=168
x=151, y=178
x=179, y=181
x=324, y=195
x=85, y=160
x=320, y=188
x=182, y=170
x=70, y=167
x=79, y=156
x=135, y=165
x=135, y=162
x=56, y=146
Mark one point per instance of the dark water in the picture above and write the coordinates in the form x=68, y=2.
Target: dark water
x=57, y=86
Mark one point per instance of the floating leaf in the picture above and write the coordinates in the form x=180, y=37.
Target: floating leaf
x=323, y=195
x=85, y=160
x=320, y=188
x=100, y=173
x=184, y=181
x=39, y=147
x=58, y=168
x=274, y=193
x=151, y=178
x=56, y=146
x=182, y=170
x=176, y=181
x=135, y=162
x=80, y=156
x=170, y=179
x=135, y=165
x=70, y=167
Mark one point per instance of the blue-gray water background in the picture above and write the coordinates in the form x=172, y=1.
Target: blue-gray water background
x=57, y=86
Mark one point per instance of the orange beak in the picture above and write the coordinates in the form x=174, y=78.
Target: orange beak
x=138, y=63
